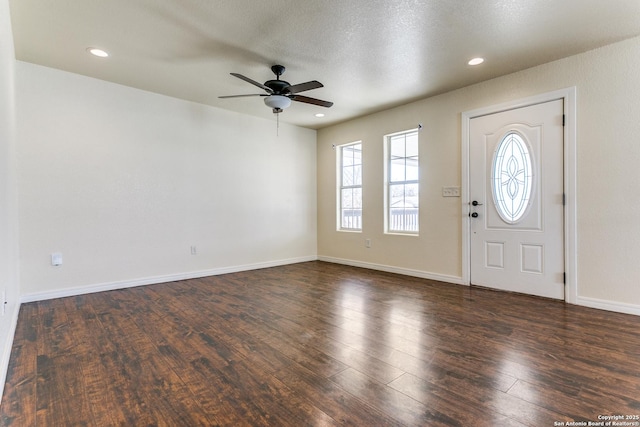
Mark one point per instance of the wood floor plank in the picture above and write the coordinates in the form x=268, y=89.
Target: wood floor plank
x=452, y=399
x=396, y=404
x=454, y=394
x=345, y=408
x=586, y=405
x=57, y=391
x=318, y=344
x=19, y=400
x=84, y=333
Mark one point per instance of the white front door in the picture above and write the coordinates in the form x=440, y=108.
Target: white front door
x=516, y=191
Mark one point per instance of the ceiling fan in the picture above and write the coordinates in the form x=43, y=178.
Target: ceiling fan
x=280, y=93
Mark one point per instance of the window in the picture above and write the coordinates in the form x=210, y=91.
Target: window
x=512, y=178
x=350, y=186
x=402, y=201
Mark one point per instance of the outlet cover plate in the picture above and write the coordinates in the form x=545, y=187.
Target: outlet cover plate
x=56, y=259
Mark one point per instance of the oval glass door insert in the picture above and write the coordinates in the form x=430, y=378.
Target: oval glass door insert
x=512, y=178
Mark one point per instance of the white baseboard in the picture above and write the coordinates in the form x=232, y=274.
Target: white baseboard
x=110, y=286
x=615, y=306
x=619, y=307
x=40, y=296
x=6, y=349
x=398, y=270
x=607, y=305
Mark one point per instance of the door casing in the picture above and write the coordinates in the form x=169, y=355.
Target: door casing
x=570, y=178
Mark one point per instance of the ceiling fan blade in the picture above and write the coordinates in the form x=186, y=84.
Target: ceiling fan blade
x=253, y=82
x=313, y=101
x=313, y=84
x=240, y=96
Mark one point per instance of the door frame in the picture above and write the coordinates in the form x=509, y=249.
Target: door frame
x=568, y=95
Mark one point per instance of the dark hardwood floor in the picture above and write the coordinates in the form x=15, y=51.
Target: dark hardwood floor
x=318, y=344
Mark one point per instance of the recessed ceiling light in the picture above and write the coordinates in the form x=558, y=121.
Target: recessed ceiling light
x=319, y=114
x=476, y=61
x=97, y=52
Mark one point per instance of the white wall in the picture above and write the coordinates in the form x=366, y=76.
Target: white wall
x=8, y=194
x=608, y=177
x=123, y=182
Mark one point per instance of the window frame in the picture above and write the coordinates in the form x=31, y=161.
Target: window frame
x=340, y=187
x=388, y=183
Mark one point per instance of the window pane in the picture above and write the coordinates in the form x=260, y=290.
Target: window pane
x=347, y=176
x=403, y=210
x=357, y=174
x=351, y=213
x=397, y=172
x=357, y=198
x=412, y=173
x=396, y=148
x=411, y=195
x=357, y=154
x=396, y=196
x=347, y=198
x=347, y=156
x=412, y=145
x=352, y=219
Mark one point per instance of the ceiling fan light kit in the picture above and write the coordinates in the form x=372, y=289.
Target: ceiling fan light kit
x=279, y=102
x=280, y=93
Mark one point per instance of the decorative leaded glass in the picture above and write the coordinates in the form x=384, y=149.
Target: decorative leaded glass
x=512, y=178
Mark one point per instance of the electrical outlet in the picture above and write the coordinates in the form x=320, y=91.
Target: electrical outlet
x=367, y=243
x=194, y=250
x=56, y=259
x=450, y=191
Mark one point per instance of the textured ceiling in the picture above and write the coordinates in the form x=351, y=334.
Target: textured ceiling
x=369, y=54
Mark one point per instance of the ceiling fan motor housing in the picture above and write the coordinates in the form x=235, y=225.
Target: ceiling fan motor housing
x=277, y=86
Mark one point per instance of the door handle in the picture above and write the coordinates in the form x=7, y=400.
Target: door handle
x=475, y=203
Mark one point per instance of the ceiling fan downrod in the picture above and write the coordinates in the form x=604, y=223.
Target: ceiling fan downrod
x=278, y=70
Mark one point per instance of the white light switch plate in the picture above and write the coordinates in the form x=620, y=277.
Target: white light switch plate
x=450, y=191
